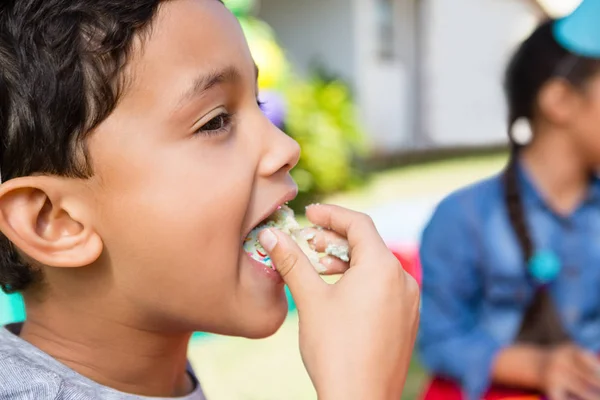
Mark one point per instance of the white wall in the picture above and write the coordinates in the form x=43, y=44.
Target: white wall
x=467, y=45
x=387, y=87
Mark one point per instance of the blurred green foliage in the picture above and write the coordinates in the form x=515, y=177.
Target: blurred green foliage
x=240, y=7
x=323, y=119
x=321, y=114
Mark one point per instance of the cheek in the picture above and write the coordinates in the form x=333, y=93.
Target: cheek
x=185, y=218
x=171, y=215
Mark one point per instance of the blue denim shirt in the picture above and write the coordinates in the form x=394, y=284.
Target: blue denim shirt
x=475, y=287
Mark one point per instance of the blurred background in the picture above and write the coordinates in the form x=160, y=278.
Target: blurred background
x=395, y=104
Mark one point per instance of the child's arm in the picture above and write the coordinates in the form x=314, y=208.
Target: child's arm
x=559, y=372
x=356, y=336
x=520, y=366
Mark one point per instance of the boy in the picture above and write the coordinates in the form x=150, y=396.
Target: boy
x=135, y=160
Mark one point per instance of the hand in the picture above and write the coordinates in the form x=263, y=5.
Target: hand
x=356, y=336
x=569, y=372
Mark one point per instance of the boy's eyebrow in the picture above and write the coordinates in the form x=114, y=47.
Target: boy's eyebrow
x=206, y=82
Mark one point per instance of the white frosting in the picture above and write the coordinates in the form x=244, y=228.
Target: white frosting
x=283, y=219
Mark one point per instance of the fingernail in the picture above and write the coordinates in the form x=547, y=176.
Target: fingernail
x=327, y=261
x=268, y=239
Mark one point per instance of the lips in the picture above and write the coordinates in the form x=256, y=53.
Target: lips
x=289, y=196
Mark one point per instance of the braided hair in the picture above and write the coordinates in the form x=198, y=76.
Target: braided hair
x=538, y=60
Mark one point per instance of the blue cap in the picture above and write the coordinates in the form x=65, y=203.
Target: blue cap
x=580, y=32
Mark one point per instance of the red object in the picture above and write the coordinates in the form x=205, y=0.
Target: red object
x=441, y=389
x=409, y=258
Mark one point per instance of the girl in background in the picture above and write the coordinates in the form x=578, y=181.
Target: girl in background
x=511, y=265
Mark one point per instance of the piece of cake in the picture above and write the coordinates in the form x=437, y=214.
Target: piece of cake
x=283, y=219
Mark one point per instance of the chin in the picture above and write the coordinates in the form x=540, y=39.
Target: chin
x=264, y=331
x=263, y=324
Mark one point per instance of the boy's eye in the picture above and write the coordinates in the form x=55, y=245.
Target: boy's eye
x=216, y=125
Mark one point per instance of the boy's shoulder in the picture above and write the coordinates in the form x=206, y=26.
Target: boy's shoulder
x=27, y=373
x=20, y=381
x=21, y=377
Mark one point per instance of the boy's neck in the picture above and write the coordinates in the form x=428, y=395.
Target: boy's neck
x=111, y=352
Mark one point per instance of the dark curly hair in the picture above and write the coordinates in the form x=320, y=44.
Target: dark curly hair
x=61, y=65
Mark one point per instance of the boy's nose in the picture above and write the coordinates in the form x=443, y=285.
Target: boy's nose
x=282, y=154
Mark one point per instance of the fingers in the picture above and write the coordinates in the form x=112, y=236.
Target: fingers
x=334, y=265
x=587, y=369
x=332, y=244
x=358, y=228
x=578, y=376
x=321, y=239
x=294, y=267
x=580, y=390
x=588, y=362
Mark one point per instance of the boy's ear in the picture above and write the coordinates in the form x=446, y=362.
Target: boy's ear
x=44, y=219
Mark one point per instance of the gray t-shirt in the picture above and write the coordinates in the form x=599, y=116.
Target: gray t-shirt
x=27, y=373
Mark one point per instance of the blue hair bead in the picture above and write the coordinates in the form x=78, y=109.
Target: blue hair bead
x=544, y=267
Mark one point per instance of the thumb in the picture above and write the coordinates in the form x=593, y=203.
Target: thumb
x=291, y=263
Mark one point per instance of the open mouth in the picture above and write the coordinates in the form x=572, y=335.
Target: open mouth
x=283, y=220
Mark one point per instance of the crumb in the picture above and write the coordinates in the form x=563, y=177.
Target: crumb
x=341, y=252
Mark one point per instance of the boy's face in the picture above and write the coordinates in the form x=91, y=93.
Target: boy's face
x=184, y=168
